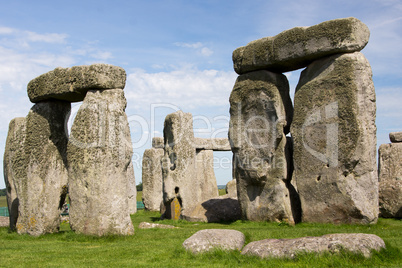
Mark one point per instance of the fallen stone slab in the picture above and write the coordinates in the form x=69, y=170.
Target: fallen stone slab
x=333, y=243
x=297, y=47
x=210, y=239
x=72, y=84
x=219, y=209
x=147, y=225
x=395, y=136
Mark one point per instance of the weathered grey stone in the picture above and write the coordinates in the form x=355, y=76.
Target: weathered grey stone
x=390, y=180
x=231, y=189
x=187, y=175
x=204, y=169
x=14, y=165
x=390, y=199
x=215, y=144
x=4, y=221
x=220, y=209
x=210, y=239
x=132, y=189
x=333, y=243
x=334, y=136
x=72, y=84
x=152, y=194
x=42, y=191
x=158, y=142
x=389, y=162
x=395, y=136
x=298, y=47
x=147, y=225
x=99, y=156
x=260, y=114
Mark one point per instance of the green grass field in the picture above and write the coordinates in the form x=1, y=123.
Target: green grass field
x=163, y=247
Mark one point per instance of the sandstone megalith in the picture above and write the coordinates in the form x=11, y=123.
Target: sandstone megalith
x=334, y=136
x=99, y=156
x=299, y=46
x=14, y=165
x=390, y=177
x=260, y=114
x=185, y=176
x=40, y=191
x=152, y=194
x=72, y=84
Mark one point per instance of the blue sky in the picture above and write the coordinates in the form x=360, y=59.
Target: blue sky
x=178, y=53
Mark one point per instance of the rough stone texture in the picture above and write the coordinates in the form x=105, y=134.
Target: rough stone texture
x=260, y=114
x=152, y=194
x=4, y=221
x=279, y=248
x=395, y=136
x=231, y=189
x=334, y=137
x=390, y=199
x=298, y=47
x=390, y=180
x=215, y=144
x=219, y=209
x=72, y=84
x=132, y=189
x=147, y=225
x=187, y=175
x=41, y=192
x=389, y=162
x=13, y=165
x=158, y=142
x=204, y=168
x=99, y=156
x=210, y=239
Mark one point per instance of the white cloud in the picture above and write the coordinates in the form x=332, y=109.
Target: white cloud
x=186, y=87
x=199, y=47
x=6, y=30
x=47, y=38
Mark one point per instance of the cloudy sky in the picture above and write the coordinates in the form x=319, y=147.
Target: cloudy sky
x=177, y=55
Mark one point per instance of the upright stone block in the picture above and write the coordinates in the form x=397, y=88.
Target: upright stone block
x=152, y=194
x=390, y=180
x=260, y=114
x=334, y=136
x=99, y=156
x=183, y=178
x=132, y=189
x=14, y=165
x=204, y=169
x=296, y=48
x=40, y=191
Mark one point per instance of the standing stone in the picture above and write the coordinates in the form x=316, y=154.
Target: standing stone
x=390, y=180
x=231, y=189
x=152, y=194
x=334, y=136
x=132, y=189
x=14, y=165
x=99, y=154
x=40, y=191
x=204, y=168
x=260, y=114
x=299, y=46
x=183, y=177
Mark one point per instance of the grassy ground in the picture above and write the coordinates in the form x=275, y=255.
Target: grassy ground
x=3, y=201
x=163, y=248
